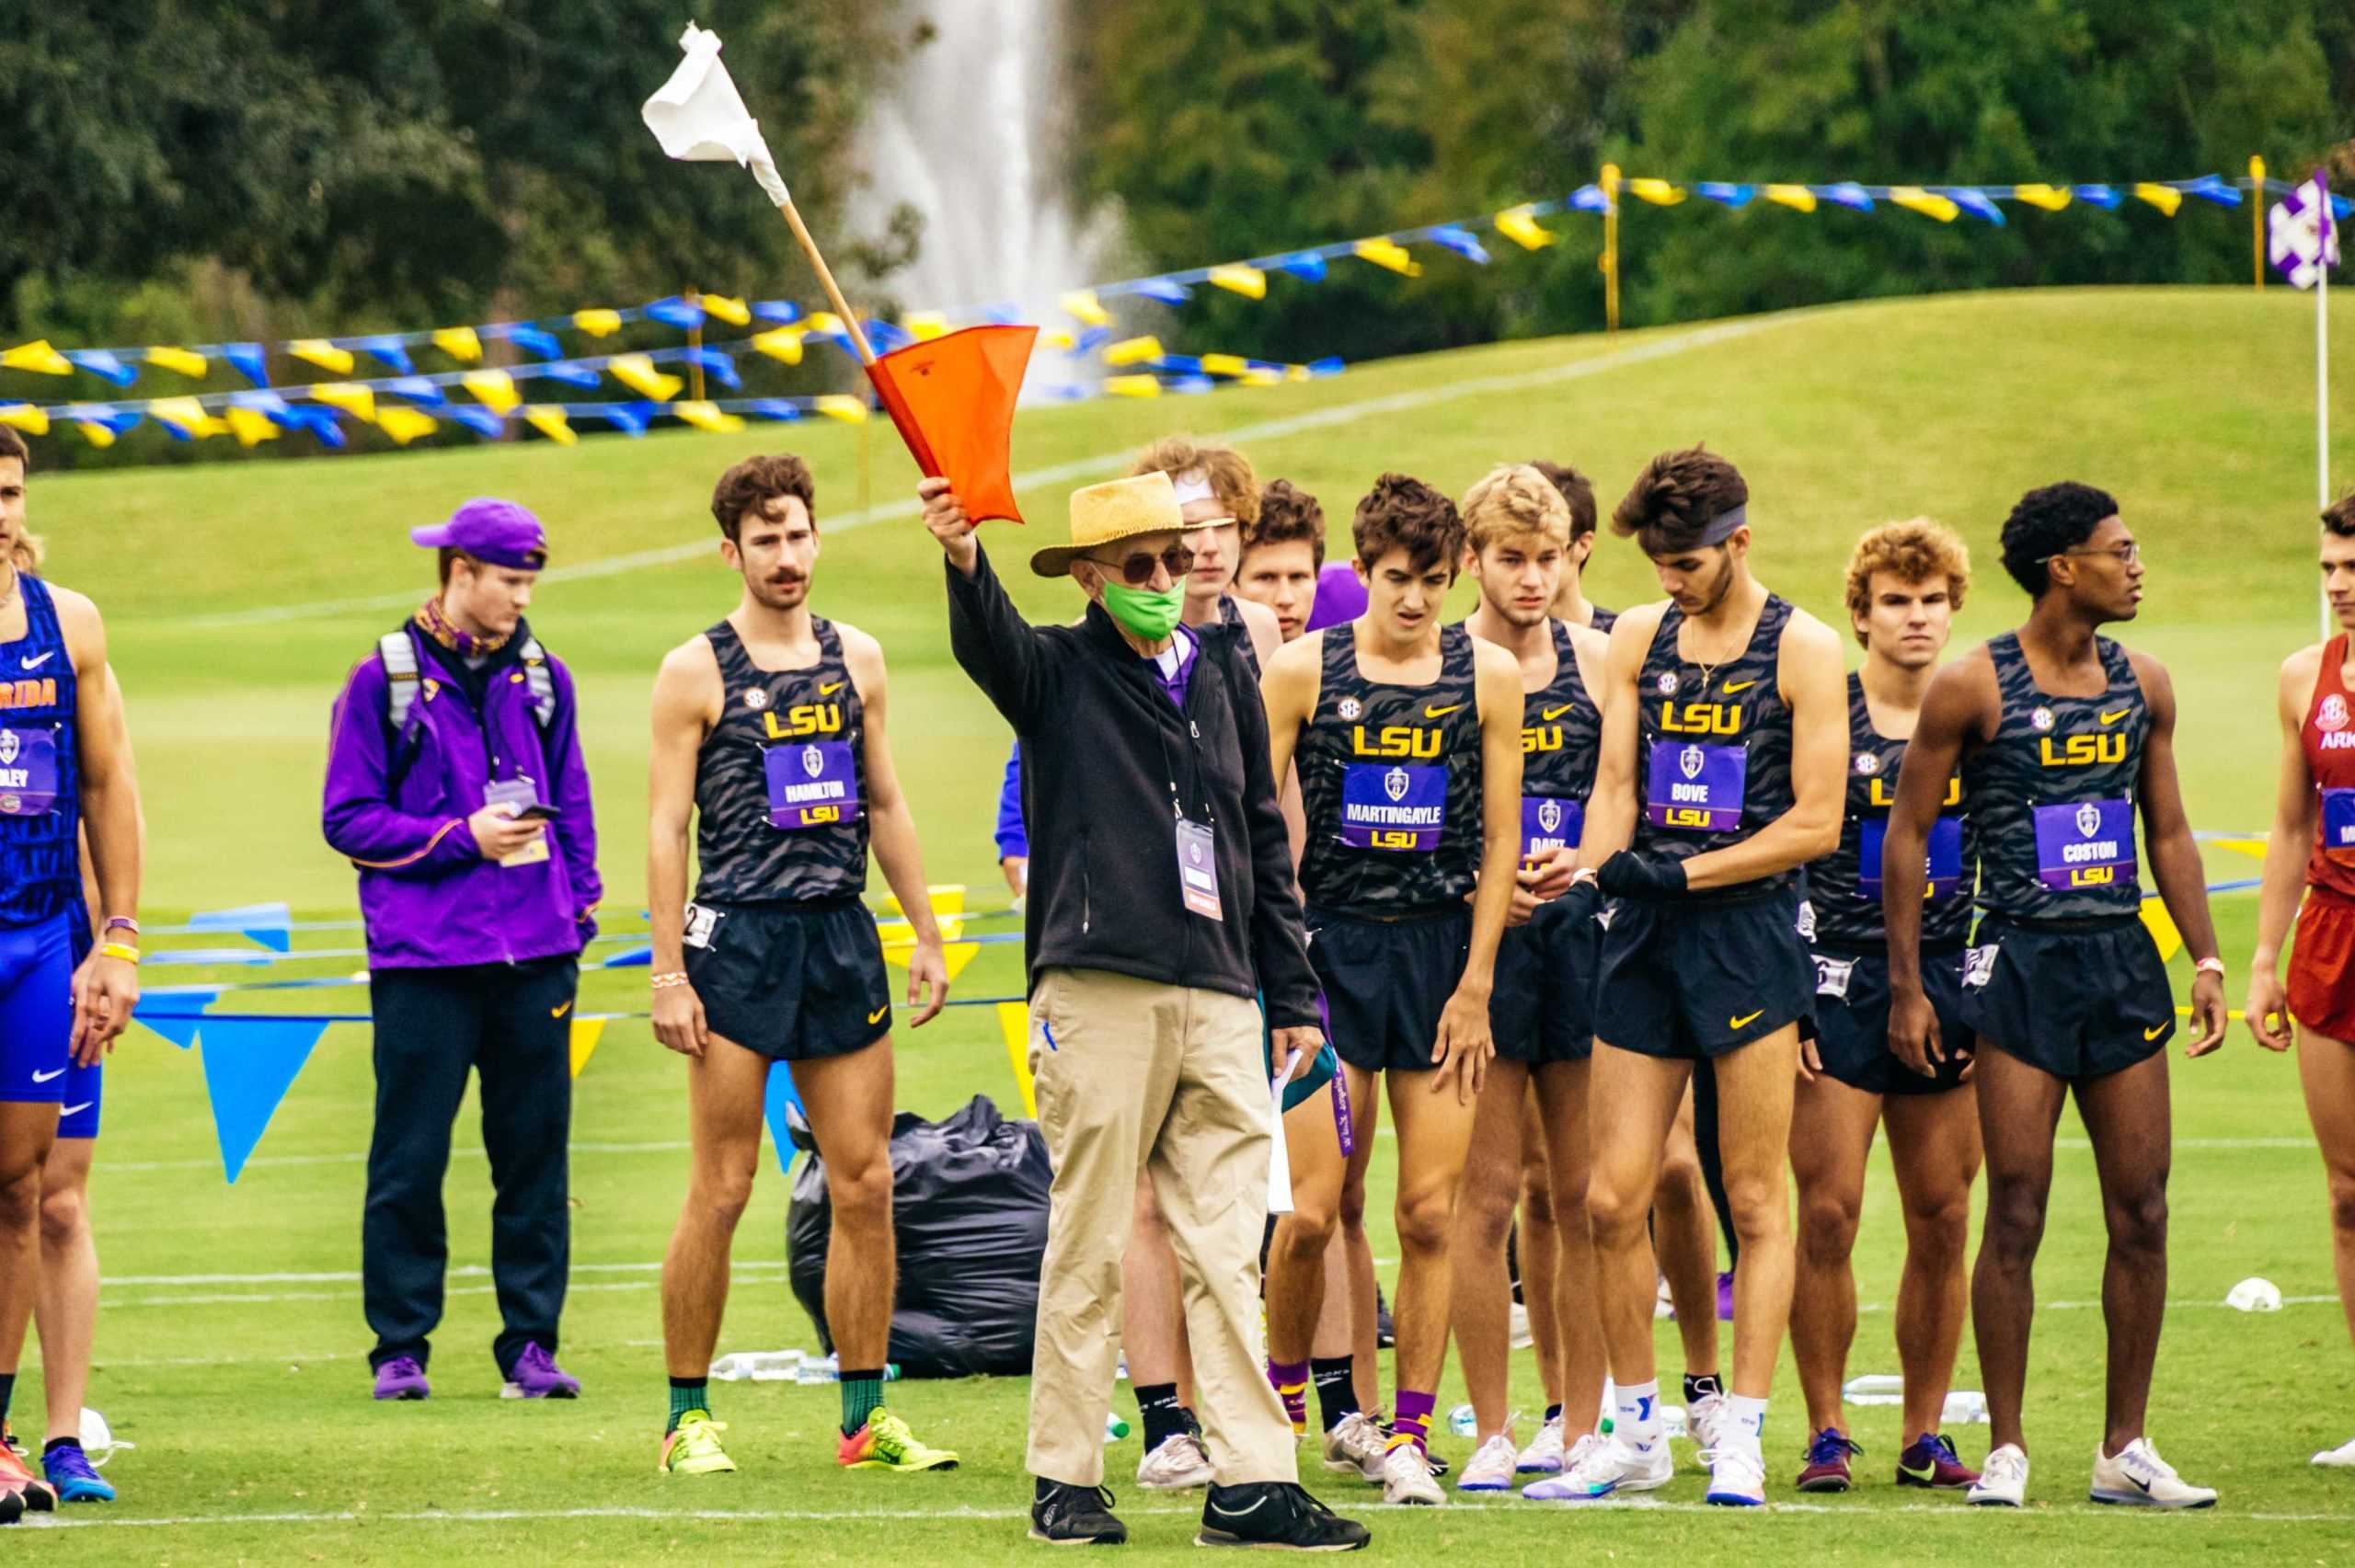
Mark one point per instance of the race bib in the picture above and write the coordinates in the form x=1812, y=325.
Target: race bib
x=1831, y=976
x=1198, y=870
x=2087, y=845
x=1695, y=787
x=811, y=785
x=28, y=771
x=2339, y=819
x=701, y=923
x=1549, y=823
x=1944, y=860
x=1394, y=806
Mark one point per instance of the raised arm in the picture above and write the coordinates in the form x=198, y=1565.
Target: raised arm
x=892, y=830
x=1955, y=710
x=991, y=642
x=687, y=696
x=2268, y=1009
x=2175, y=858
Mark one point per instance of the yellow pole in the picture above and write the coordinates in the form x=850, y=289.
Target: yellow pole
x=1610, y=262
x=2256, y=223
x=695, y=340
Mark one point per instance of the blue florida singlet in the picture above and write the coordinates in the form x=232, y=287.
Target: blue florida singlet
x=1714, y=765
x=40, y=799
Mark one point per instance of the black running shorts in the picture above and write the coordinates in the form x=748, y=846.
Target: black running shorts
x=2077, y=1000
x=1541, y=1009
x=791, y=981
x=1692, y=978
x=1387, y=981
x=1852, y=1019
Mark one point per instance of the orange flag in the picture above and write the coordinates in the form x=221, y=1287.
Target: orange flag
x=952, y=399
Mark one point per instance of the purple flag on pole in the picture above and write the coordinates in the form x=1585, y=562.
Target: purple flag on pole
x=2302, y=235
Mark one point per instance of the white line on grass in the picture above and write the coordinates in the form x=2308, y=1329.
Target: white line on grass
x=1086, y=467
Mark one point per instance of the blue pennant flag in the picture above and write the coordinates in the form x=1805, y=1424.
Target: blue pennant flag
x=1587, y=199
x=1090, y=339
x=781, y=1104
x=388, y=351
x=266, y=923
x=770, y=408
x=320, y=421
x=630, y=420
x=1181, y=364
x=416, y=389
x=265, y=403
x=1847, y=193
x=1188, y=384
x=783, y=312
x=484, y=422
x=676, y=312
x=885, y=336
x=572, y=373
x=1004, y=313
x=1731, y=195
x=176, y=1012
x=1168, y=291
x=1461, y=241
x=721, y=367
x=535, y=341
x=631, y=957
x=247, y=358
x=1974, y=202
x=249, y=1063
x=1331, y=364
x=2103, y=196
x=2210, y=188
x=116, y=420
x=1304, y=265
x=103, y=365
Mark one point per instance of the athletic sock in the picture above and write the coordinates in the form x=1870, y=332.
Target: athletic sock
x=1635, y=1411
x=1412, y=1423
x=56, y=1442
x=1337, y=1387
x=1161, y=1415
x=1701, y=1388
x=862, y=1393
x=1291, y=1379
x=1746, y=1420
x=8, y=1389
x=1553, y=1413
x=686, y=1394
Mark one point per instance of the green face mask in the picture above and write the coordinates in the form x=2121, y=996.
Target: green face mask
x=1151, y=617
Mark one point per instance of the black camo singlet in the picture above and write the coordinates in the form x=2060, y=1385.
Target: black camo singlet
x=781, y=780
x=1714, y=762
x=1845, y=886
x=1561, y=735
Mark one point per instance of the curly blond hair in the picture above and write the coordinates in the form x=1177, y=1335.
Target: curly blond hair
x=1515, y=500
x=1228, y=471
x=1913, y=551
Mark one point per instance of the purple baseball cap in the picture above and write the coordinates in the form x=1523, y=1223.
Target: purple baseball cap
x=500, y=533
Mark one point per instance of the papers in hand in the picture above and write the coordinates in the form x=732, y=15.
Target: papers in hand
x=699, y=117
x=1278, y=1157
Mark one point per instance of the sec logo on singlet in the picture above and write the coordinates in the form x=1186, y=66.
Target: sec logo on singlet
x=1667, y=683
x=2332, y=714
x=756, y=698
x=1868, y=763
x=1350, y=709
x=2040, y=720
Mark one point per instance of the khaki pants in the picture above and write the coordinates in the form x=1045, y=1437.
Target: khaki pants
x=1130, y=1074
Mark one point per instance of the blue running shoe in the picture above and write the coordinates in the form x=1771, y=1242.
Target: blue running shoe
x=77, y=1480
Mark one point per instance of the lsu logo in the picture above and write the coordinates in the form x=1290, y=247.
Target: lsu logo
x=1395, y=740
x=1883, y=792
x=2082, y=750
x=1536, y=737
x=803, y=718
x=1701, y=719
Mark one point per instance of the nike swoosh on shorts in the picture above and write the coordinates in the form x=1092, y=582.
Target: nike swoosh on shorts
x=45, y=1077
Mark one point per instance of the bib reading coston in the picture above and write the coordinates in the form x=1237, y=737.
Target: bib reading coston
x=780, y=780
x=811, y=785
x=1717, y=741
x=2089, y=844
x=28, y=771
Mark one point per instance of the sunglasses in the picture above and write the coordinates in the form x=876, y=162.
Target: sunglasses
x=1136, y=569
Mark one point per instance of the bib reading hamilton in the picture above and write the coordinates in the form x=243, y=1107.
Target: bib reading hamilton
x=1716, y=746
x=1561, y=730
x=1845, y=886
x=2052, y=794
x=781, y=780
x=1391, y=778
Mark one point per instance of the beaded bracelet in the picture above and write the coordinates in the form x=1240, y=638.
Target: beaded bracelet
x=665, y=982
x=128, y=954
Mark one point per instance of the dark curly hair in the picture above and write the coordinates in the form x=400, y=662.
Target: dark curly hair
x=1676, y=497
x=2047, y=522
x=1577, y=489
x=1401, y=512
x=1287, y=513
x=2340, y=515
x=754, y=483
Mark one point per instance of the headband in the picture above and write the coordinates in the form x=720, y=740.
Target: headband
x=1721, y=527
x=1192, y=485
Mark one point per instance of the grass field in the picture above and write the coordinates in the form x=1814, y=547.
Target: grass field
x=231, y=1346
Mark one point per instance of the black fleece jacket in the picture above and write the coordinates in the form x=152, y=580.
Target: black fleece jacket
x=1102, y=746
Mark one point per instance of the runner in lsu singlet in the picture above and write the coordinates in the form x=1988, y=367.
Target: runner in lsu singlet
x=1544, y=1003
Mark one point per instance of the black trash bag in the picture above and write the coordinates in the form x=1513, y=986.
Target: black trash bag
x=969, y=1202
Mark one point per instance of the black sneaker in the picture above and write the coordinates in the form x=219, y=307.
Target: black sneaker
x=1276, y=1514
x=1074, y=1516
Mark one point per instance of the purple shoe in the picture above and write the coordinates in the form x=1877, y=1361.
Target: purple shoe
x=536, y=1376
x=401, y=1378
x=1724, y=1296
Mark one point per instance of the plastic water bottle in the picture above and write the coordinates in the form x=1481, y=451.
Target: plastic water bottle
x=1114, y=1428
x=1875, y=1388
x=1463, y=1422
x=758, y=1366
x=1965, y=1407
x=815, y=1370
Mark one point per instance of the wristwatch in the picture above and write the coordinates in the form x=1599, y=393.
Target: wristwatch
x=2210, y=967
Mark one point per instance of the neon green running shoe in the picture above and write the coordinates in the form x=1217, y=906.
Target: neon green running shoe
x=885, y=1443
x=692, y=1447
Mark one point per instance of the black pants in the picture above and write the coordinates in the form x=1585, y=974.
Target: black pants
x=512, y=1023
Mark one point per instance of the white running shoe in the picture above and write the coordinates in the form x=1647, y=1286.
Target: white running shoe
x=2139, y=1477
x=2342, y=1454
x=1491, y=1468
x=1356, y=1447
x=1180, y=1463
x=1543, y=1457
x=2003, y=1480
x=1705, y=1421
x=1610, y=1466
x=1406, y=1478
x=1737, y=1476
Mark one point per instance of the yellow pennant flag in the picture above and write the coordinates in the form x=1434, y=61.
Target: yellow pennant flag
x=825, y=323
x=1132, y=386
x=636, y=371
x=2166, y=198
x=2051, y=198
x=1237, y=279
x=250, y=428
x=706, y=417
x=2162, y=928
x=494, y=389
x=840, y=406
x=185, y=414
x=782, y=343
x=26, y=417
x=586, y=1033
x=924, y=326
x=598, y=323
x=460, y=343
x=1914, y=199
x=405, y=424
x=1013, y=1022
x=350, y=396
x=1262, y=375
x=1057, y=337
x=98, y=432
x=1224, y=364
x=1082, y=305
x=1133, y=351
x=1389, y=253
x=1520, y=225
x=734, y=312
x=37, y=357
x=320, y=353
x=1798, y=198
x=948, y=911
x=1659, y=192
x=550, y=421
x=187, y=361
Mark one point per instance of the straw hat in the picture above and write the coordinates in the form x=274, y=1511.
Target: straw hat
x=1118, y=509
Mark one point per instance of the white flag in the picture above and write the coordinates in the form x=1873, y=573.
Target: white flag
x=700, y=117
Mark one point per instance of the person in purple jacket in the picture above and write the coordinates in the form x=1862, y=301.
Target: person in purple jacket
x=454, y=784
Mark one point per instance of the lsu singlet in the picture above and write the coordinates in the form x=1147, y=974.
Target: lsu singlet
x=1561, y=733
x=1231, y=619
x=1714, y=765
x=41, y=794
x=1391, y=779
x=1845, y=886
x=2329, y=735
x=781, y=780
x=2052, y=794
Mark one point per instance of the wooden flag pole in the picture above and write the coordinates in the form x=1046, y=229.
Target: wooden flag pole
x=826, y=281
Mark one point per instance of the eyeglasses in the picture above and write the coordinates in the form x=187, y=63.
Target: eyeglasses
x=1136, y=569
x=2126, y=555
